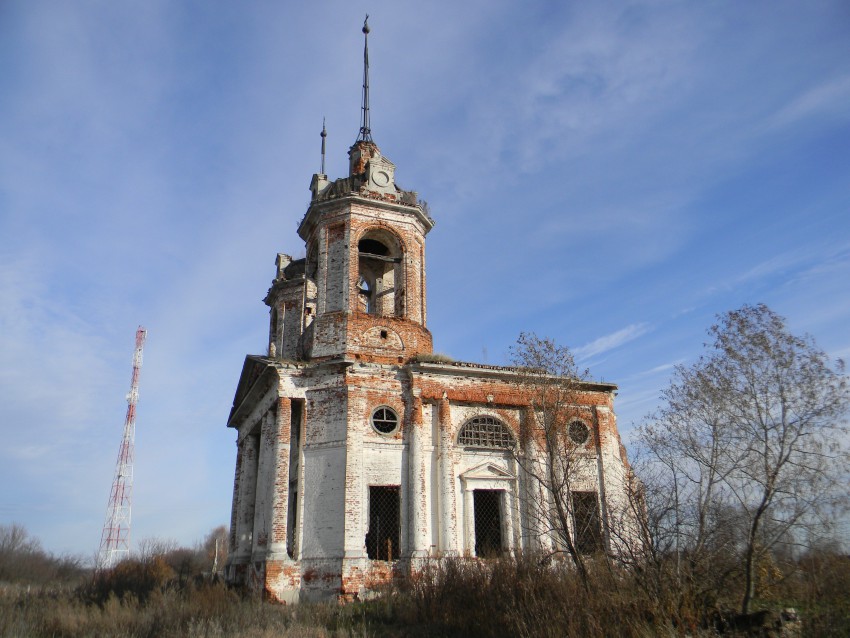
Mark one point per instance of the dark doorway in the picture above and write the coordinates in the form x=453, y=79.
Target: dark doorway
x=382, y=539
x=295, y=444
x=488, y=523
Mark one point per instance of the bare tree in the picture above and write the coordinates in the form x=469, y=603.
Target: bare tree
x=154, y=547
x=22, y=559
x=753, y=439
x=550, y=456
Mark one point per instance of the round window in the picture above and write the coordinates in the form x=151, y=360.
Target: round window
x=385, y=420
x=579, y=432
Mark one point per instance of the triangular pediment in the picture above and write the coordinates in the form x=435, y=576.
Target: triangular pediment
x=252, y=369
x=487, y=470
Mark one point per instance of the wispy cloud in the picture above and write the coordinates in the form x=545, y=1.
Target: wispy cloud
x=664, y=367
x=828, y=98
x=611, y=341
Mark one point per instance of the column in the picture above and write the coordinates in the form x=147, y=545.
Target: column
x=234, y=508
x=468, y=521
x=447, y=481
x=280, y=483
x=508, y=514
x=247, y=494
x=265, y=481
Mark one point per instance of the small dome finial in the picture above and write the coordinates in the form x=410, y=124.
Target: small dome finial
x=366, y=25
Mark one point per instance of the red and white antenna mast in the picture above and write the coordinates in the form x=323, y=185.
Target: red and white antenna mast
x=115, y=539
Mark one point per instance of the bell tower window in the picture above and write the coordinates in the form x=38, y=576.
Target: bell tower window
x=379, y=275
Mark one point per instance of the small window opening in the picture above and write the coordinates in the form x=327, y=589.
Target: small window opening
x=385, y=420
x=382, y=538
x=588, y=531
x=488, y=523
x=579, y=432
x=383, y=334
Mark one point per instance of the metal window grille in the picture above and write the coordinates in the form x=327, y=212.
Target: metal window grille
x=488, y=523
x=385, y=420
x=579, y=432
x=486, y=431
x=588, y=531
x=382, y=539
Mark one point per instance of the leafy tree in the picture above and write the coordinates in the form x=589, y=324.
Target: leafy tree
x=752, y=441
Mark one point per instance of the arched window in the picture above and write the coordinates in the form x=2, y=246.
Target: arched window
x=486, y=431
x=380, y=277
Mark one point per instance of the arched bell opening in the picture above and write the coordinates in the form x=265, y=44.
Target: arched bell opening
x=380, y=276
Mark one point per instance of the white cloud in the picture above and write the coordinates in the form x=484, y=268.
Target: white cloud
x=611, y=341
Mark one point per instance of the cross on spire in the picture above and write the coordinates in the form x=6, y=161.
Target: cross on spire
x=365, y=129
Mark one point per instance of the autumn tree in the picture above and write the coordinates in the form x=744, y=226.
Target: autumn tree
x=751, y=441
x=550, y=455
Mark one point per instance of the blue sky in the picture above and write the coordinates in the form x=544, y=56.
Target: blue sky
x=611, y=174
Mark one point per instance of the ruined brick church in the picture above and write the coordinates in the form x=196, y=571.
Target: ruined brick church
x=358, y=454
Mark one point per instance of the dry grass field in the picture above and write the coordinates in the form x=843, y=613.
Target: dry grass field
x=450, y=598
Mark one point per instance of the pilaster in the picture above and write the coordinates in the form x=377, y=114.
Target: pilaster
x=418, y=480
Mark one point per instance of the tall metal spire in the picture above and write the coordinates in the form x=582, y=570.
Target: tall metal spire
x=324, y=134
x=365, y=129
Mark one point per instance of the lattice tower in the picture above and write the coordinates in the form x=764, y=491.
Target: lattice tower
x=115, y=539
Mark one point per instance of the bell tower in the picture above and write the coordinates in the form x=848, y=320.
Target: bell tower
x=363, y=279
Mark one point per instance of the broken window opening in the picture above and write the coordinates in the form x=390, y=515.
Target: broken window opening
x=486, y=431
x=382, y=537
x=488, y=523
x=588, y=530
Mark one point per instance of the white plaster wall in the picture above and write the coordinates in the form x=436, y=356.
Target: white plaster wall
x=324, y=502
